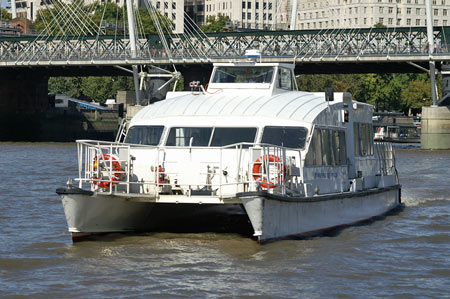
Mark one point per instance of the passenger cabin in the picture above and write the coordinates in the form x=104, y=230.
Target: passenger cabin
x=249, y=130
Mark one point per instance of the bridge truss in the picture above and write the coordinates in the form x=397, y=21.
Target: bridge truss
x=305, y=46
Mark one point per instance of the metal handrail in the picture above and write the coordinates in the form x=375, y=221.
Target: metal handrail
x=102, y=177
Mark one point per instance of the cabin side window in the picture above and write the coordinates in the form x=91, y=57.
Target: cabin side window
x=148, y=135
x=363, y=139
x=327, y=148
x=210, y=136
x=292, y=137
x=284, y=79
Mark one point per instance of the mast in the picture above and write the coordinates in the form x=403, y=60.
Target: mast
x=132, y=36
x=428, y=11
x=293, y=14
x=13, y=9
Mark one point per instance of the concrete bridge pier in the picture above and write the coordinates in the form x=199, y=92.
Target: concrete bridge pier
x=436, y=119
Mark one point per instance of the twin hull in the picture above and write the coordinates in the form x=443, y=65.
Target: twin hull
x=271, y=216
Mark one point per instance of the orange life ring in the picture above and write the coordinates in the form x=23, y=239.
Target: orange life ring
x=257, y=171
x=116, y=170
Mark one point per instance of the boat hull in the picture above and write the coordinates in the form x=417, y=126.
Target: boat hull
x=272, y=217
x=88, y=214
x=276, y=217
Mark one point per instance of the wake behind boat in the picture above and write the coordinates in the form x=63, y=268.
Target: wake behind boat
x=292, y=163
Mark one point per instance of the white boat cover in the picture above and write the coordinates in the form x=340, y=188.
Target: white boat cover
x=295, y=105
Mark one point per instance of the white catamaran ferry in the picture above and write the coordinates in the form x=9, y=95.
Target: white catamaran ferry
x=292, y=163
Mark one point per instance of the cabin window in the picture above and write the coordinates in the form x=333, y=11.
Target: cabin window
x=148, y=135
x=327, y=148
x=210, y=136
x=226, y=136
x=363, y=138
x=292, y=137
x=284, y=79
x=243, y=75
x=182, y=136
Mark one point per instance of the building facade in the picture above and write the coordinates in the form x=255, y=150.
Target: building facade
x=172, y=9
x=249, y=14
x=367, y=13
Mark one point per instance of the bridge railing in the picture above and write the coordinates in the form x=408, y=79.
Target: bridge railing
x=301, y=45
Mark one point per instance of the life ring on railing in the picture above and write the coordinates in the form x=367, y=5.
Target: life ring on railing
x=256, y=171
x=116, y=171
x=161, y=179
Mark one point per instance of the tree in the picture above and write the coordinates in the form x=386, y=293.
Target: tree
x=379, y=25
x=5, y=15
x=417, y=95
x=93, y=19
x=98, y=89
x=216, y=25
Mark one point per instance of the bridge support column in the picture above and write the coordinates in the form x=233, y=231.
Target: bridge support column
x=436, y=119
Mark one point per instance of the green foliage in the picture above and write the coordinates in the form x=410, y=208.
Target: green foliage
x=379, y=25
x=216, y=25
x=386, y=92
x=111, y=18
x=98, y=89
x=5, y=15
x=417, y=94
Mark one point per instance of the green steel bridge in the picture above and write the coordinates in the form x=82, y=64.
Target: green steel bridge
x=313, y=51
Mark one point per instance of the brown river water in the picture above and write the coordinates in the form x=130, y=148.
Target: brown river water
x=405, y=254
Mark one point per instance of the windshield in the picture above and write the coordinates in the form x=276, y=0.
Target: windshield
x=210, y=136
x=233, y=74
x=149, y=135
x=292, y=137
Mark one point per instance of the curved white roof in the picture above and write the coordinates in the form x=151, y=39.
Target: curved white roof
x=293, y=105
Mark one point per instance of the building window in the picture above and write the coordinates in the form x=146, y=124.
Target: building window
x=174, y=5
x=256, y=16
x=270, y=17
x=435, y=12
x=436, y=22
x=243, y=4
x=418, y=11
x=256, y=5
x=444, y=12
x=243, y=15
x=444, y=23
x=264, y=16
x=264, y=5
x=390, y=9
x=381, y=9
x=270, y=5
x=408, y=11
x=390, y=21
x=249, y=15
x=174, y=16
x=249, y=5
x=408, y=22
x=166, y=5
x=158, y=5
x=418, y=22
